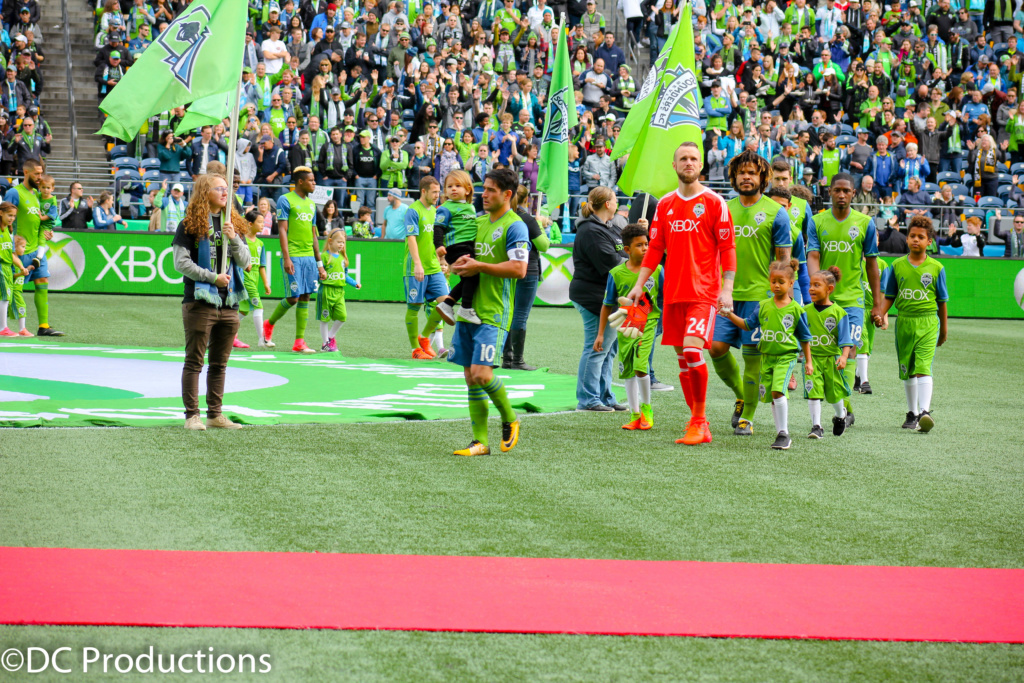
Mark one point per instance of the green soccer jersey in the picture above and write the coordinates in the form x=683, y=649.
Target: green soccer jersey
x=917, y=290
x=258, y=257
x=782, y=329
x=300, y=214
x=845, y=244
x=29, y=219
x=759, y=229
x=830, y=329
x=505, y=239
x=6, y=248
x=337, y=273
x=621, y=280
x=47, y=214
x=869, y=298
x=459, y=222
x=419, y=223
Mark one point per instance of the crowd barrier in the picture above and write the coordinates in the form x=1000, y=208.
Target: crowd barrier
x=107, y=262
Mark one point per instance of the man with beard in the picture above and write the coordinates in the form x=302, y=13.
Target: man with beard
x=29, y=225
x=693, y=230
x=763, y=234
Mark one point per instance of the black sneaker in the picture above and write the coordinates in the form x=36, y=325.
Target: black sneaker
x=911, y=421
x=856, y=383
x=737, y=410
x=782, y=442
x=619, y=407
x=925, y=421
x=599, y=408
x=865, y=387
x=49, y=332
x=838, y=425
x=816, y=432
x=743, y=428
x=849, y=420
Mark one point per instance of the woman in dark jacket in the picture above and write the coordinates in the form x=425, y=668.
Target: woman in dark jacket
x=526, y=289
x=171, y=153
x=598, y=249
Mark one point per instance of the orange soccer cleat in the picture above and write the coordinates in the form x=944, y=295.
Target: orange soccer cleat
x=697, y=432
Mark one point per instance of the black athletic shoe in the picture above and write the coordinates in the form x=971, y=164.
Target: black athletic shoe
x=743, y=428
x=911, y=421
x=838, y=425
x=849, y=420
x=925, y=421
x=816, y=432
x=620, y=407
x=865, y=387
x=782, y=442
x=599, y=408
x=856, y=382
x=49, y=332
x=736, y=412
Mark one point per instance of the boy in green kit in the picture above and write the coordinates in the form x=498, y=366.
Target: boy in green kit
x=831, y=344
x=918, y=288
x=634, y=353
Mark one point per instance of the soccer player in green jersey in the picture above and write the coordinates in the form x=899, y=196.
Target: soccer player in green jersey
x=844, y=237
x=502, y=253
x=918, y=287
x=18, y=298
x=7, y=214
x=860, y=381
x=783, y=332
x=330, y=300
x=634, y=352
x=762, y=234
x=423, y=279
x=831, y=345
x=300, y=255
x=257, y=273
x=30, y=225
x=800, y=223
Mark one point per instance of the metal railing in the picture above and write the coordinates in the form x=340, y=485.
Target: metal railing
x=71, y=82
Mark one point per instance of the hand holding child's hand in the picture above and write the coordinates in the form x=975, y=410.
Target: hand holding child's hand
x=841, y=363
x=808, y=367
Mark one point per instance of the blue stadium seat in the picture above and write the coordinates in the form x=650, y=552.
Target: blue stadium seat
x=948, y=177
x=968, y=179
x=117, y=151
x=999, y=48
x=150, y=164
x=1011, y=204
x=152, y=178
x=846, y=129
x=1005, y=178
x=990, y=202
x=960, y=190
x=1017, y=168
x=185, y=177
x=968, y=200
x=1004, y=191
x=126, y=162
x=844, y=140
x=931, y=188
x=980, y=213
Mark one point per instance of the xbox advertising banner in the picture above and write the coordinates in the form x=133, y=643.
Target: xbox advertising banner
x=142, y=263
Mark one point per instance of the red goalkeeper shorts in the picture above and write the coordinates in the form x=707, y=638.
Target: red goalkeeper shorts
x=688, y=319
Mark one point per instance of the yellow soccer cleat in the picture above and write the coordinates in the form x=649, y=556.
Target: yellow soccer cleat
x=509, y=435
x=475, y=448
x=646, y=416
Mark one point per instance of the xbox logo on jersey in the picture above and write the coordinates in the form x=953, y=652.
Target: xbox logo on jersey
x=556, y=271
x=66, y=261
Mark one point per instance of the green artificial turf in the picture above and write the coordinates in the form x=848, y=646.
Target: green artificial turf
x=576, y=486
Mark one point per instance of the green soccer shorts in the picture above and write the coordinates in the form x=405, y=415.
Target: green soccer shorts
x=867, y=339
x=252, y=286
x=828, y=382
x=916, y=340
x=6, y=284
x=775, y=374
x=635, y=354
x=330, y=304
x=18, y=298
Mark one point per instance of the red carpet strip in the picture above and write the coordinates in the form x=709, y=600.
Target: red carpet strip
x=511, y=595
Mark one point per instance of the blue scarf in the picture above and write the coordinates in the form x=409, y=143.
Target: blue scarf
x=208, y=292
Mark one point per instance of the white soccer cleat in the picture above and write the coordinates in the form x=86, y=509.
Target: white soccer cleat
x=447, y=314
x=469, y=315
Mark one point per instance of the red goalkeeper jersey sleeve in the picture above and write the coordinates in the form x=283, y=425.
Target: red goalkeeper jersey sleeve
x=696, y=236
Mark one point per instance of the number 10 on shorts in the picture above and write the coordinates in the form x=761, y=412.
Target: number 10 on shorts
x=486, y=353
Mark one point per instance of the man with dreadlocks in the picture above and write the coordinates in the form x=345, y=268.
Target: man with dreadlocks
x=213, y=289
x=762, y=231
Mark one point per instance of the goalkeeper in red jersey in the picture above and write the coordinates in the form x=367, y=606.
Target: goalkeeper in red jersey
x=693, y=230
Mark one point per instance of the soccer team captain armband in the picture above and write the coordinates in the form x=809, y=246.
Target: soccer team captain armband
x=518, y=252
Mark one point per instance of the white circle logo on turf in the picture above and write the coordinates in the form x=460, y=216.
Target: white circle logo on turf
x=66, y=261
x=557, y=269
x=1018, y=289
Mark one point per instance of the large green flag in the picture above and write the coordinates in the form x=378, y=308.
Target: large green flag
x=208, y=111
x=638, y=115
x=671, y=117
x=199, y=54
x=553, y=174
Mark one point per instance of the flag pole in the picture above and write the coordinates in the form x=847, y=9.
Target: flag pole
x=232, y=145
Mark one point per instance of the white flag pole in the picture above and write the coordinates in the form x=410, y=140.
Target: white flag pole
x=232, y=144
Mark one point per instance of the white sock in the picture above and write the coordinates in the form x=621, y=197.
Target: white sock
x=840, y=409
x=323, y=331
x=3, y=313
x=633, y=394
x=21, y=323
x=815, y=406
x=335, y=326
x=437, y=339
x=257, y=321
x=924, y=393
x=862, y=367
x=645, y=388
x=910, y=386
x=781, y=414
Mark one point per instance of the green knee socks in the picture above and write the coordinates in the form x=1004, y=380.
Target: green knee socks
x=478, y=413
x=751, y=382
x=433, y=320
x=412, y=315
x=496, y=390
x=282, y=307
x=728, y=370
x=42, y=299
x=301, y=318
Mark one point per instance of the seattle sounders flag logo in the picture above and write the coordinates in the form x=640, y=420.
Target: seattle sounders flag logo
x=183, y=40
x=678, y=102
x=558, y=128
